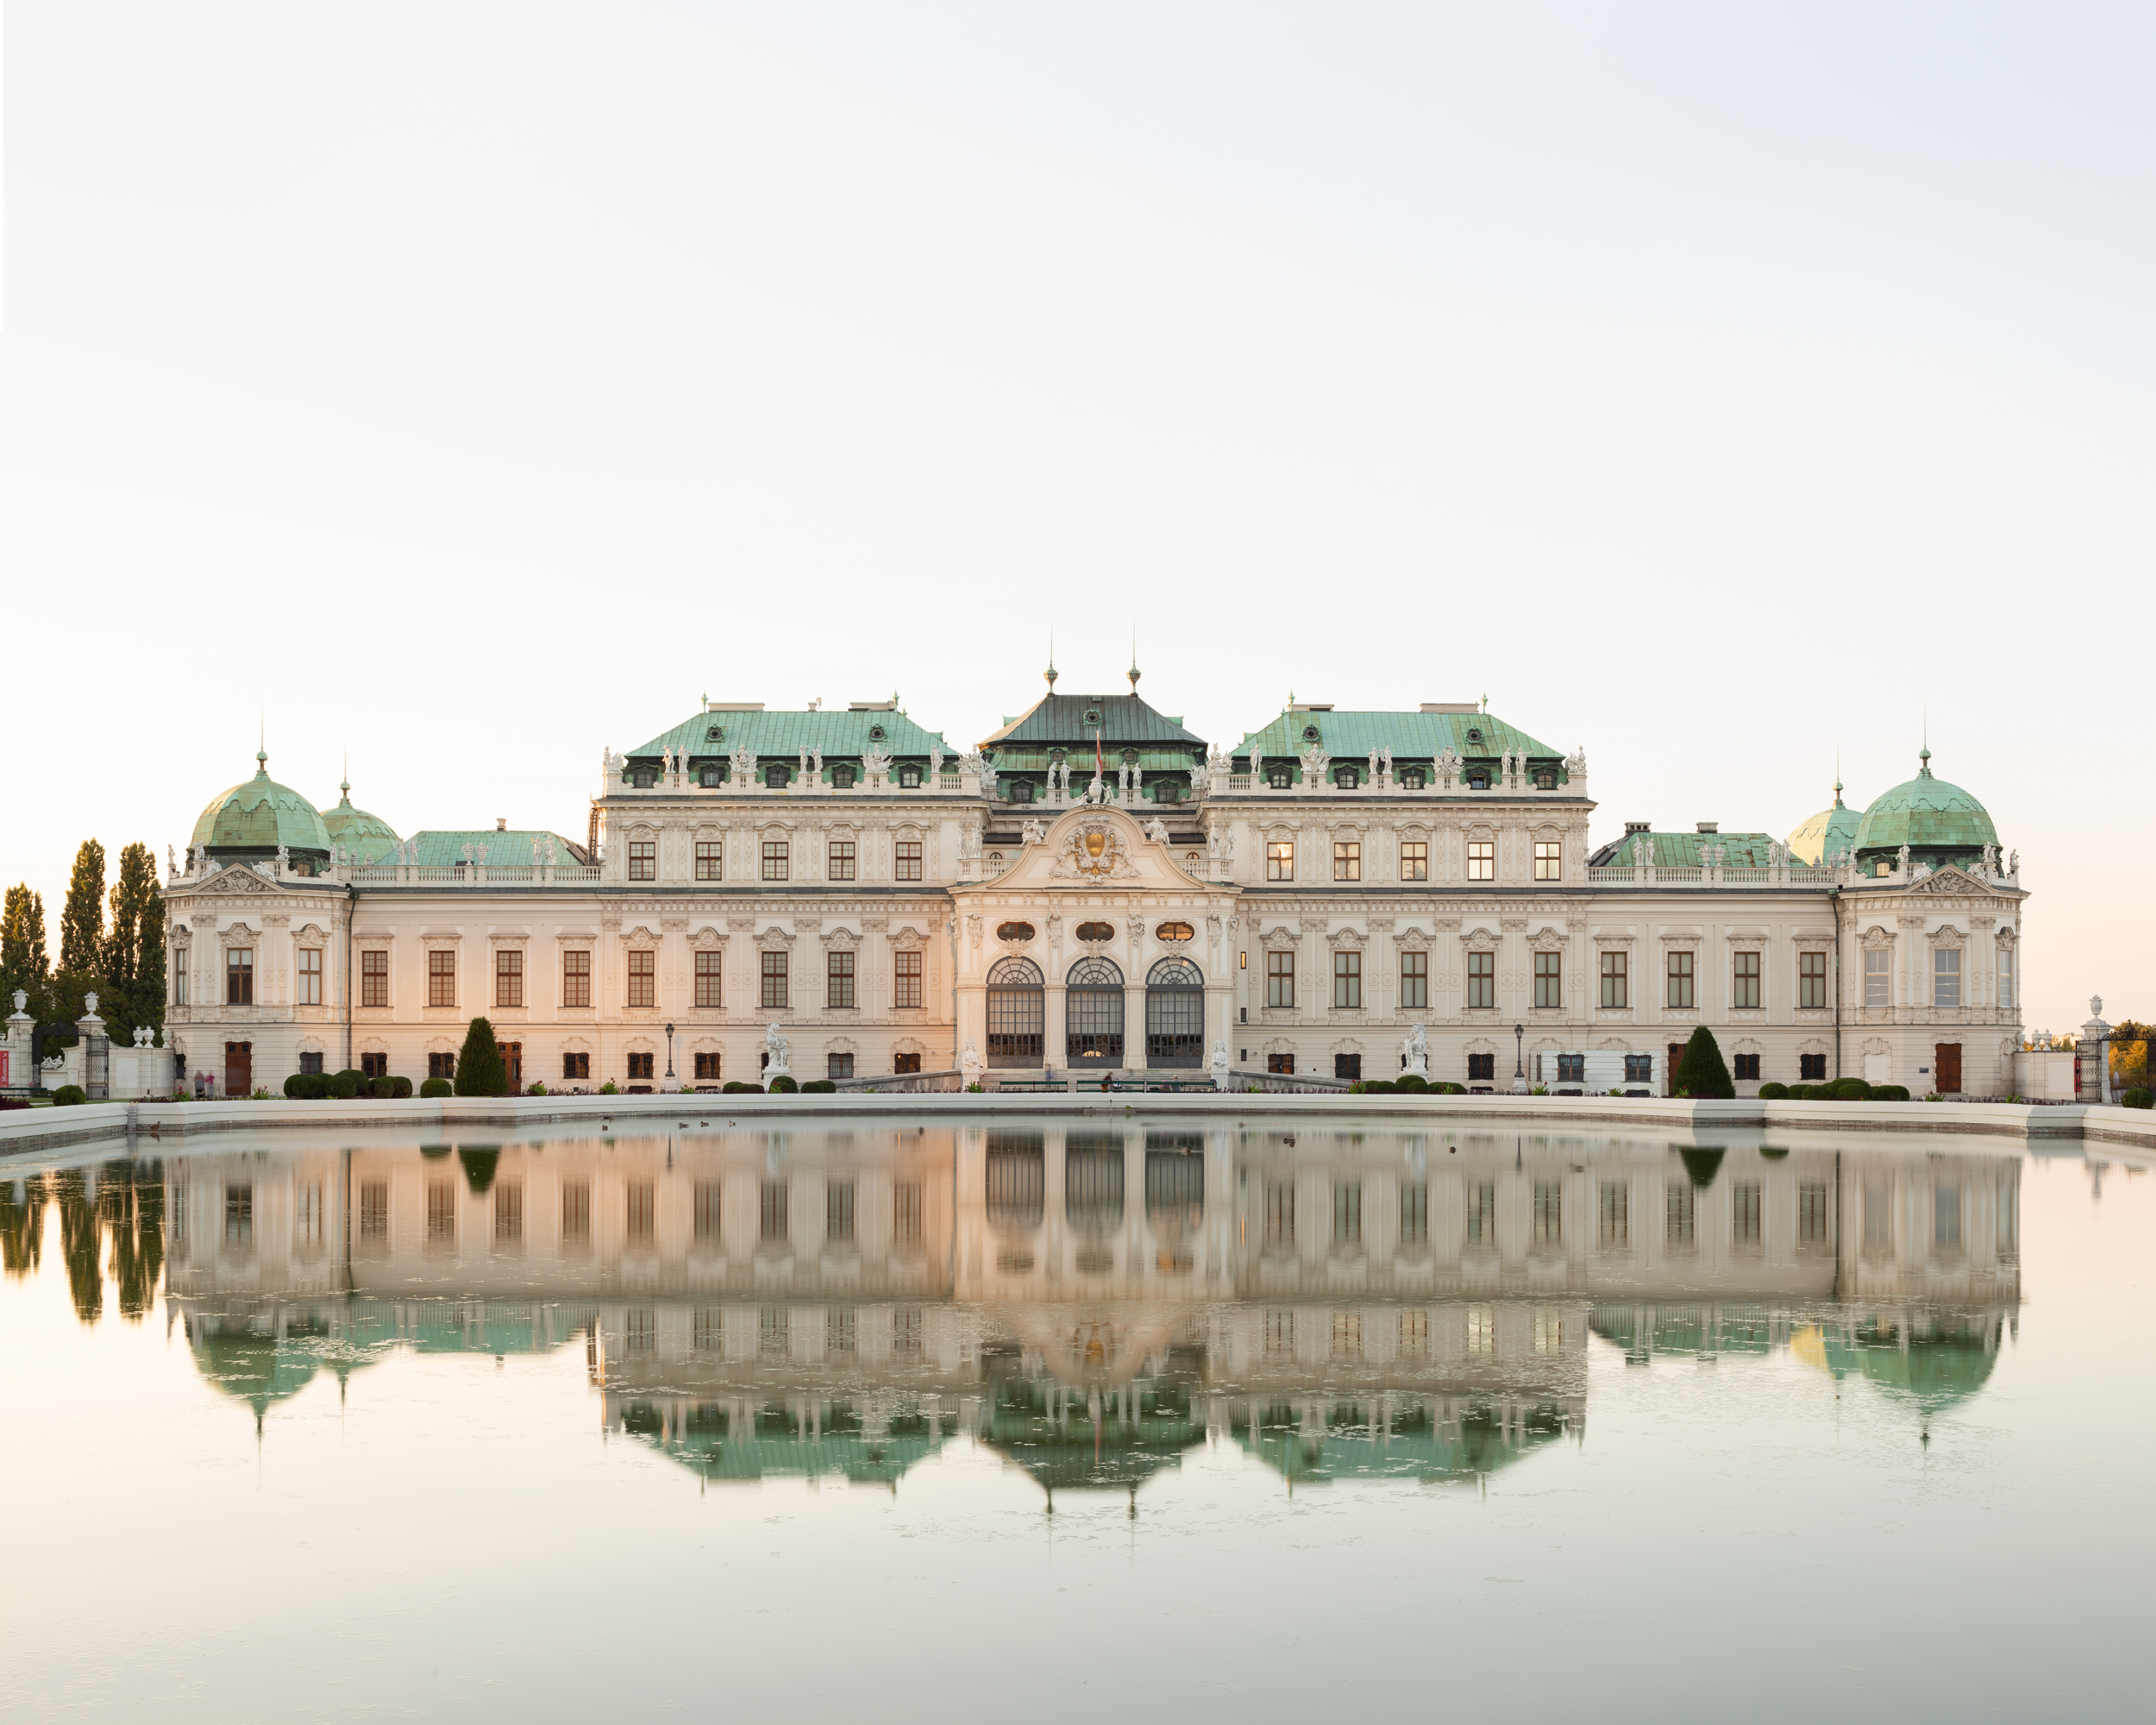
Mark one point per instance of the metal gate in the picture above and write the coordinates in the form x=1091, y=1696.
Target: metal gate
x=97, y=1068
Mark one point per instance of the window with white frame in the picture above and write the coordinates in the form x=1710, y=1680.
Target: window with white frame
x=1946, y=976
x=309, y=981
x=1879, y=976
x=2005, y=976
x=1415, y=981
x=1681, y=980
x=775, y=858
x=1616, y=984
x=1280, y=859
x=1744, y=979
x=711, y=860
x=1811, y=980
x=841, y=859
x=643, y=859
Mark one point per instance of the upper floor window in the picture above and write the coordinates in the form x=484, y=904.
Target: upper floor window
x=1549, y=979
x=1279, y=777
x=1478, y=780
x=774, y=980
x=777, y=776
x=1413, y=778
x=1616, y=984
x=1415, y=981
x=576, y=979
x=1347, y=979
x=1348, y=778
x=1811, y=980
x=905, y=979
x=1681, y=980
x=374, y=978
x=709, y=981
x=643, y=859
x=238, y=976
x=1280, y=859
x=1415, y=860
x=1482, y=979
x=909, y=777
x=906, y=860
x=1482, y=859
x=2006, y=976
x=442, y=979
x=713, y=775
x=1546, y=778
x=509, y=978
x=1347, y=860
x=643, y=978
x=1549, y=860
x=180, y=979
x=1744, y=981
x=1946, y=976
x=1879, y=976
x=643, y=778
x=308, y=984
x=838, y=982
x=841, y=859
x=1280, y=979
x=711, y=860
x=774, y=859
x=843, y=777
x=1168, y=791
x=1020, y=791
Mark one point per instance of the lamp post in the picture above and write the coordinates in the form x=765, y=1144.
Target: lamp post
x=1519, y=1059
x=669, y=1051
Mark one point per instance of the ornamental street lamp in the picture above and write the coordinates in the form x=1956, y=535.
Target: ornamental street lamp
x=669, y=1051
x=1519, y=1058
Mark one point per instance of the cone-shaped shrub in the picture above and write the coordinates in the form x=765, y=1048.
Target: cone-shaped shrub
x=1700, y=1073
x=479, y=1069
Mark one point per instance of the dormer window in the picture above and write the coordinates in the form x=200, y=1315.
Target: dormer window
x=1280, y=778
x=777, y=776
x=714, y=733
x=1168, y=791
x=842, y=778
x=1546, y=778
x=1474, y=733
x=713, y=777
x=1021, y=790
x=1347, y=778
x=1412, y=779
x=643, y=778
x=909, y=778
x=1478, y=782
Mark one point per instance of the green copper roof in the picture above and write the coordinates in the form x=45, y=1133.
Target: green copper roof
x=512, y=849
x=1070, y=721
x=1828, y=833
x=1928, y=815
x=260, y=815
x=368, y=836
x=1681, y=849
x=1412, y=737
x=840, y=735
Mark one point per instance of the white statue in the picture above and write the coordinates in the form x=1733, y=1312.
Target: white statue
x=776, y=1047
x=1200, y=778
x=1901, y=859
x=1221, y=1064
x=815, y=766
x=1990, y=859
x=1417, y=1048
x=283, y=859
x=744, y=764
x=1314, y=762
x=172, y=862
x=969, y=1065
x=935, y=763
x=2013, y=864
x=1257, y=764
x=1385, y=763
x=1156, y=830
x=1095, y=792
x=875, y=762
x=1033, y=832
x=1371, y=777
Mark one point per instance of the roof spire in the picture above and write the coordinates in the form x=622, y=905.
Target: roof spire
x=346, y=785
x=1051, y=658
x=262, y=745
x=1924, y=755
x=1134, y=672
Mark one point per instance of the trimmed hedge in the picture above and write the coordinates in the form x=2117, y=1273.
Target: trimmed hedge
x=306, y=1087
x=1701, y=1073
x=783, y=1085
x=1445, y=1087
x=389, y=1089
x=1412, y=1081
x=1890, y=1093
x=479, y=1069
x=437, y=1087
x=68, y=1095
x=2136, y=1098
x=735, y=1088
x=346, y=1084
x=1772, y=1092
x=819, y=1087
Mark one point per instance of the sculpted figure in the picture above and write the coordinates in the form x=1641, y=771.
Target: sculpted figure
x=1221, y=1064
x=1417, y=1048
x=776, y=1046
x=1257, y=764
x=1156, y=830
x=1033, y=832
x=1901, y=859
x=969, y=1064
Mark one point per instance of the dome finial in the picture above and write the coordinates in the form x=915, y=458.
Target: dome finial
x=1051, y=659
x=1134, y=671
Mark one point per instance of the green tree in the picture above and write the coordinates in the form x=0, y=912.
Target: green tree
x=82, y=919
x=22, y=961
x=134, y=960
x=479, y=1069
x=1702, y=1072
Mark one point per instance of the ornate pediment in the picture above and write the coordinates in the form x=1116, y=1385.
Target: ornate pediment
x=234, y=879
x=1091, y=849
x=1949, y=878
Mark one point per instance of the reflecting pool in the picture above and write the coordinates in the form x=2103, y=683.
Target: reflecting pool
x=1108, y=1414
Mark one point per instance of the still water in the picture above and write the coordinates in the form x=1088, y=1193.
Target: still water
x=1102, y=1419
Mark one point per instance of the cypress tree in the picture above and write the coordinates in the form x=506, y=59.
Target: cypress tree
x=1701, y=1073
x=479, y=1069
x=23, y=963
x=82, y=919
x=133, y=959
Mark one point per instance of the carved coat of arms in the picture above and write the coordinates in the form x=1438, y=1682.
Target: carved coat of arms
x=1094, y=852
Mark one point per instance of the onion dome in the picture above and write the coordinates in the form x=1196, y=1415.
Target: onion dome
x=368, y=837
x=250, y=821
x=1939, y=822
x=1828, y=833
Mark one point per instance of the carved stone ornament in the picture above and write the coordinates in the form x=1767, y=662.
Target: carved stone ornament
x=1479, y=940
x=234, y=879
x=1282, y=940
x=1347, y=937
x=1948, y=878
x=1092, y=851
x=1548, y=940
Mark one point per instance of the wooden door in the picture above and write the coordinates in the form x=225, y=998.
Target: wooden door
x=1669, y=1076
x=1947, y=1068
x=238, y=1069
x=513, y=1066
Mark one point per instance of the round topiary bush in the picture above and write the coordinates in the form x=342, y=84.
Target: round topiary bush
x=735, y=1088
x=2135, y=1098
x=437, y=1087
x=1849, y=1090
x=820, y=1087
x=346, y=1084
x=1412, y=1081
x=1890, y=1093
x=782, y=1086
x=382, y=1088
x=306, y=1087
x=68, y=1095
x=1379, y=1086
x=1773, y=1092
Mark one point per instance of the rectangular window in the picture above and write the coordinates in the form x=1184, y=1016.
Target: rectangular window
x=1811, y=1213
x=774, y=859
x=838, y=982
x=2005, y=976
x=1280, y=859
x=708, y=1062
x=1879, y=976
x=1613, y=1228
x=374, y=1066
x=640, y=1066
x=838, y=1211
x=374, y=978
x=1549, y=1212
x=1549, y=979
x=1946, y=977
x=238, y=976
x=1482, y=1211
x=905, y=979
x=1415, y=981
x=1680, y=979
x=774, y=979
x=1747, y=1065
x=905, y=1216
x=1616, y=981
x=711, y=980
x=1810, y=1068
x=643, y=979
x=708, y=1209
x=1482, y=979
x=576, y=1213
x=1679, y=1216
x=576, y=1065
x=1482, y=859
x=841, y=859
x=1744, y=1215
x=576, y=979
x=1280, y=979
x=1283, y=1064
x=838, y=1066
x=1347, y=979
x=442, y=979
x=905, y=1062
x=374, y=1210
x=1549, y=860
x=509, y=979
x=309, y=982
x=1744, y=981
x=1414, y=859
x=1639, y=1069
x=643, y=859
x=906, y=860
x=1347, y=860
x=771, y=1212
x=180, y=978
x=509, y=1211
x=1481, y=1068
x=1811, y=980
x=1414, y=1214
x=711, y=860
x=1571, y=1069
x=1347, y=1066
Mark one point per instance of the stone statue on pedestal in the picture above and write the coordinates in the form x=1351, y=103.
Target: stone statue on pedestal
x=1417, y=1048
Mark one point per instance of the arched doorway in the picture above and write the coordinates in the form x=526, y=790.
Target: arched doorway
x=1092, y=1015
x=1015, y=1013
x=1175, y=1014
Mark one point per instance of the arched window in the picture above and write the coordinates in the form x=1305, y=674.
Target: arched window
x=909, y=778
x=1015, y=1013
x=1347, y=778
x=1093, y=1014
x=1175, y=1014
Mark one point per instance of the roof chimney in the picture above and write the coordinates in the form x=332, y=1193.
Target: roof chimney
x=1709, y=826
x=1632, y=826
x=501, y=823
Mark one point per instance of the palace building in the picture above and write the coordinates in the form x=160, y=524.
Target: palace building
x=1094, y=889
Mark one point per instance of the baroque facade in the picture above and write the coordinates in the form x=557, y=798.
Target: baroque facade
x=1094, y=889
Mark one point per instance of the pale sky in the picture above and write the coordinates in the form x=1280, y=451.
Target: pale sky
x=475, y=386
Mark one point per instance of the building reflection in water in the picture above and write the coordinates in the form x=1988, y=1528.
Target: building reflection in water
x=1092, y=1301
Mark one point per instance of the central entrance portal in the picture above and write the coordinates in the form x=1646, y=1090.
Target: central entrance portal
x=1175, y=1014
x=1015, y=1012
x=1093, y=1014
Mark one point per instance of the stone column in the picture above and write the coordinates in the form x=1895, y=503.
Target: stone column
x=1054, y=1027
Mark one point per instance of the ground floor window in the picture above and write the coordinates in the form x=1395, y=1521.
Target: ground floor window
x=838, y=1066
x=374, y=1065
x=1281, y=1062
x=905, y=1062
x=707, y=1067
x=442, y=1066
x=1348, y=1066
x=1482, y=1067
x=576, y=1066
x=311, y=1063
x=640, y=1066
x=1747, y=1065
x=1811, y=1067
